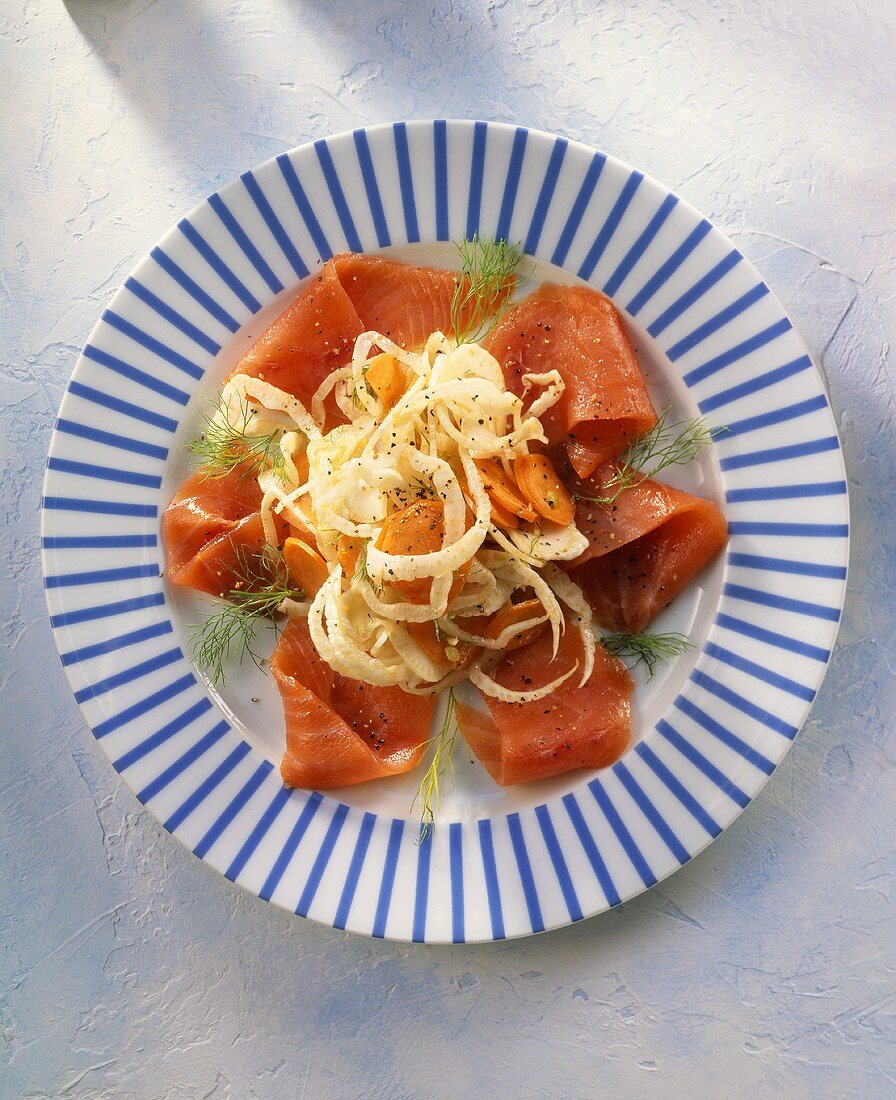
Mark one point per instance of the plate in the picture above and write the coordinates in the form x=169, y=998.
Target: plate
x=712, y=339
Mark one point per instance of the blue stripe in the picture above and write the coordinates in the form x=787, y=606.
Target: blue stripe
x=354, y=871
x=371, y=186
x=684, y=796
x=490, y=870
x=511, y=183
x=246, y=246
x=545, y=195
x=99, y=507
x=406, y=181
x=784, y=603
x=771, y=637
x=792, y=687
x=147, y=381
x=289, y=848
x=560, y=869
x=591, y=850
x=207, y=786
x=777, y=416
x=136, y=412
x=162, y=735
x=656, y=819
x=702, y=764
x=182, y=763
x=623, y=835
x=217, y=265
x=144, y=706
x=722, y=318
x=440, y=155
x=322, y=859
x=456, y=871
x=780, y=454
x=637, y=250
x=172, y=316
x=766, y=336
x=525, y=871
x=389, y=867
x=127, y=676
x=421, y=890
x=150, y=343
x=694, y=294
x=104, y=611
x=237, y=803
x=610, y=225
x=477, y=167
x=104, y=473
x=578, y=209
x=754, y=385
x=195, y=291
x=667, y=269
x=108, y=439
x=275, y=226
x=98, y=542
x=258, y=833
x=101, y=576
x=718, y=690
x=725, y=736
x=800, y=530
x=121, y=641
x=304, y=207
x=784, y=565
x=337, y=195
x=787, y=492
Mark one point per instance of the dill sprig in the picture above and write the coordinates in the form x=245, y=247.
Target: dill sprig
x=428, y=794
x=480, y=293
x=666, y=444
x=223, y=445
x=229, y=634
x=646, y=649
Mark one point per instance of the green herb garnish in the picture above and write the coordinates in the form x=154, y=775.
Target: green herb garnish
x=646, y=649
x=223, y=446
x=428, y=792
x=480, y=293
x=229, y=634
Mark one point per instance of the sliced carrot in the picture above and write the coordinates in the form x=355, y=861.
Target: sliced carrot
x=440, y=649
x=503, y=490
x=418, y=529
x=541, y=485
x=385, y=377
x=307, y=569
x=502, y=518
x=347, y=552
x=512, y=614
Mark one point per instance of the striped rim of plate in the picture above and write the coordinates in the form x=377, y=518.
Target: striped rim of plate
x=721, y=330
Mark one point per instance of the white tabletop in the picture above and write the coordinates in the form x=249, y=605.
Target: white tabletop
x=765, y=967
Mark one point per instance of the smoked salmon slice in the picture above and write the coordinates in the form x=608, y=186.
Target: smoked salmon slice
x=340, y=731
x=212, y=526
x=351, y=294
x=573, y=727
x=644, y=548
x=578, y=332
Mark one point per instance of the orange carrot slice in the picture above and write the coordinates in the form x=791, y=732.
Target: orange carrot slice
x=307, y=569
x=440, y=649
x=347, y=551
x=540, y=483
x=385, y=377
x=512, y=614
x=503, y=490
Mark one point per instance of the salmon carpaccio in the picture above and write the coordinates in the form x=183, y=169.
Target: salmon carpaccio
x=573, y=727
x=341, y=731
x=210, y=525
x=578, y=332
x=351, y=294
x=645, y=548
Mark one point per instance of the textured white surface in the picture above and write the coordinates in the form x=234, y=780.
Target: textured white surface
x=130, y=969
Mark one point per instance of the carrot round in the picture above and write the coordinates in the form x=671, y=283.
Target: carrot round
x=540, y=483
x=347, y=552
x=512, y=614
x=307, y=569
x=503, y=490
x=418, y=529
x=438, y=648
x=385, y=378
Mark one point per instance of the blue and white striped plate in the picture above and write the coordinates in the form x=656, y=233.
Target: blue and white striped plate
x=711, y=729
